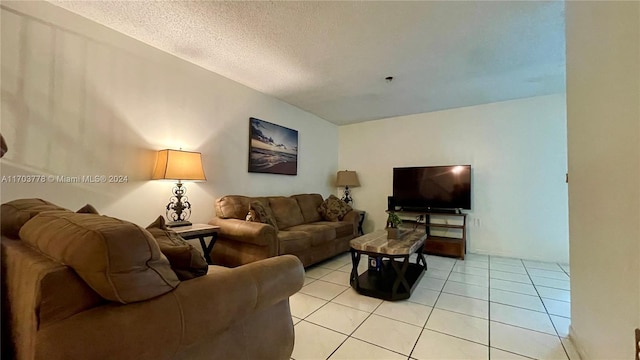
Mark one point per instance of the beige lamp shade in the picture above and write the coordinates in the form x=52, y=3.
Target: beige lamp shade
x=178, y=165
x=347, y=178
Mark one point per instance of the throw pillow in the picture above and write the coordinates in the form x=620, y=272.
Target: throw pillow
x=263, y=215
x=251, y=216
x=185, y=260
x=334, y=209
x=88, y=209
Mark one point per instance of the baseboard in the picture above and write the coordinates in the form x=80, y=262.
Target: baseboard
x=576, y=344
x=490, y=253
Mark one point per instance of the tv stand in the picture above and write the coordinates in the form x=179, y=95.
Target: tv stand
x=446, y=231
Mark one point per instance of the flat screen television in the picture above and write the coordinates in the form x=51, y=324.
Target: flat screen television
x=432, y=187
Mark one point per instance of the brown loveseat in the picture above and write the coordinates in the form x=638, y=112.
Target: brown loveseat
x=117, y=297
x=301, y=230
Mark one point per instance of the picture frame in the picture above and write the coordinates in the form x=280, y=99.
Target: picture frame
x=273, y=149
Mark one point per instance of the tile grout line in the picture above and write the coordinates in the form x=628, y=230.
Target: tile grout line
x=430, y=313
x=549, y=316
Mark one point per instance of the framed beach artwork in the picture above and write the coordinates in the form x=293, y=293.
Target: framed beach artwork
x=273, y=148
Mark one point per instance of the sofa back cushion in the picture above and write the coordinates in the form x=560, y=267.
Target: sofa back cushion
x=232, y=207
x=17, y=212
x=286, y=211
x=309, y=204
x=119, y=260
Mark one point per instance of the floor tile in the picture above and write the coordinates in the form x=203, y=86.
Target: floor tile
x=497, y=354
x=409, y=312
x=315, y=342
x=466, y=269
x=354, y=349
x=558, y=275
x=524, y=318
x=302, y=305
x=434, y=345
x=504, y=261
x=459, y=325
x=459, y=306
x=559, y=308
x=565, y=267
x=316, y=272
x=516, y=299
x=390, y=334
x=541, y=265
x=474, y=263
x=512, y=286
x=424, y=296
x=324, y=290
x=526, y=342
x=338, y=317
x=436, y=273
x=463, y=305
x=351, y=298
x=553, y=283
x=363, y=265
x=337, y=277
x=436, y=263
x=561, y=324
x=476, y=257
x=516, y=269
x=462, y=289
x=555, y=294
x=509, y=276
x=482, y=280
x=431, y=283
x=336, y=262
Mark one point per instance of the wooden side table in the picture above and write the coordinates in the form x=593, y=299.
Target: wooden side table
x=361, y=221
x=200, y=231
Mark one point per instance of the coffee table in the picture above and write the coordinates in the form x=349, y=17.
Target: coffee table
x=393, y=279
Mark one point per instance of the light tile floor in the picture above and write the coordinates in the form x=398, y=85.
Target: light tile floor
x=484, y=307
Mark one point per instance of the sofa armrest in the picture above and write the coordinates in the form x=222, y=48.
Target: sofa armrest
x=193, y=316
x=245, y=231
x=352, y=217
x=214, y=302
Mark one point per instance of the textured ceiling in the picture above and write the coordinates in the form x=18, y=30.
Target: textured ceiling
x=331, y=58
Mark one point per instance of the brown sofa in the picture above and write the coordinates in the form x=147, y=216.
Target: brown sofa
x=117, y=297
x=300, y=231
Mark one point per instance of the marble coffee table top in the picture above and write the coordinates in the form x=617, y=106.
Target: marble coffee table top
x=377, y=242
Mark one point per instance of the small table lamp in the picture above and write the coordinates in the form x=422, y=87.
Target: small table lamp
x=178, y=165
x=347, y=178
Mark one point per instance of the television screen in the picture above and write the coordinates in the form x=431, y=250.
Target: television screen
x=437, y=187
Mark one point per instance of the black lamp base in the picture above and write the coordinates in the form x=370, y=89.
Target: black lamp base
x=173, y=224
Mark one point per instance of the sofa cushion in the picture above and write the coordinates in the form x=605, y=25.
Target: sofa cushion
x=185, y=260
x=342, y=228
x=334, y=209
x=309, y=204
x=263, y=214
x=286, y=211
x=319, y=233
x=17, y=212
x=119, y=260
x=292, y=241
x=232, y=207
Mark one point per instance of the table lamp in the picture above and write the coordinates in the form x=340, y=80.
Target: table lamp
x=178, y=165
x=347, y=178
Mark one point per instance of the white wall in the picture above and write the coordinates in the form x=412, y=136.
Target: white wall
x=603, y=120
x=81, y=99
x=517, y=151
